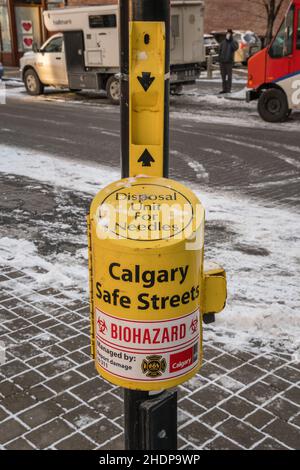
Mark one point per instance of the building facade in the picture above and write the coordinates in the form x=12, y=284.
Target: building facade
x=243, y=15
x=21, y=21
x=20, y=26
x=239, y=15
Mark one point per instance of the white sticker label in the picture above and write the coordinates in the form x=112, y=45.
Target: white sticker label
x=148, y=351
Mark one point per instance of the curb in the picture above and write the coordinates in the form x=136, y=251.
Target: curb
x=15, y=80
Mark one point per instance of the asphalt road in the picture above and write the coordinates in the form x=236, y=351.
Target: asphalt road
x=216, y=143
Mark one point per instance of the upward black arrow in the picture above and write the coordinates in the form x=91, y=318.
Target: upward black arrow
x=146, y=158
x=146, y=80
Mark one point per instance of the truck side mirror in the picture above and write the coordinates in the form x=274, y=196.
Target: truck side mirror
x=35, y=47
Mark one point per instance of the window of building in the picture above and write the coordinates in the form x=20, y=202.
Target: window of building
x=25, y=2
x=175, y=26
x=103, y=21
x=5, y=41
x=51, y=4
x=28, y=23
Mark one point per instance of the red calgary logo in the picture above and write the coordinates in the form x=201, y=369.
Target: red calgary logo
x=181, y=360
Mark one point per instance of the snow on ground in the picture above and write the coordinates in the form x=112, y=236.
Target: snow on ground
x=259, y=247
x=63, y=270
x=262, y=264
x=13, y=83
x=217, y=79
x=231, y=109
x=239, y=95
x=242, y=118
x=65, y=97
x=58, y=172
x=240, y=75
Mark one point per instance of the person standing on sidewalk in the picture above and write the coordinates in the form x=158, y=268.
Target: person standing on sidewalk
x=226, y=57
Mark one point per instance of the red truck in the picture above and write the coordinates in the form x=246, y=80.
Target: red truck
x=274, y=72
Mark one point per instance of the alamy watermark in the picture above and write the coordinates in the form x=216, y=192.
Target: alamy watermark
x=296, y=92
x=2, y=92
x=2, y=353
x=296, y=356
x=146, y=220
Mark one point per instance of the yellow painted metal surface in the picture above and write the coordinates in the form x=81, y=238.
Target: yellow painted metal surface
x=147, y=271
x=214, y=289
x=146, y=98
x=148, y=284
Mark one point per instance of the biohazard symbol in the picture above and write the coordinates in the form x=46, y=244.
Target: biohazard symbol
x=154, y=366
x=102, y=326
x=194, y=325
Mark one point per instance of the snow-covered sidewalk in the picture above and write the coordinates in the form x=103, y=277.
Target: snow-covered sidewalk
x=242, y=234
x=246, y=395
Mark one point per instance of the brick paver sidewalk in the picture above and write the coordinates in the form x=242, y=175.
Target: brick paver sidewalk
x=51, y=396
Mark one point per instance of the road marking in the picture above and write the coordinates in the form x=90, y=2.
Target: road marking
x=289, y=160
x=27, y=117
x=110, y=133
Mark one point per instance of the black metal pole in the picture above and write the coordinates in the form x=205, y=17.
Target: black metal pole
x=150, y=419
x=132, y=401
x=124, y=70
x=141, y=10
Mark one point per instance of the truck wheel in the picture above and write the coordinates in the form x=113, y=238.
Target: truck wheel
x=32, y=83
x=113, y=90
x=273, y=106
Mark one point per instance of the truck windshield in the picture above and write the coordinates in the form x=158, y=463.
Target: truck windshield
x=283, y=42
x=290, y=32
x=55, y=45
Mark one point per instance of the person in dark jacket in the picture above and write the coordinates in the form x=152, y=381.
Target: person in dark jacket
x=226, y=58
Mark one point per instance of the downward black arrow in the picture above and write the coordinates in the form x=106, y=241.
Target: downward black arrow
x=146, y=158
x=146, y=80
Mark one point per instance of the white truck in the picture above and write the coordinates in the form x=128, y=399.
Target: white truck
x=84, y=52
